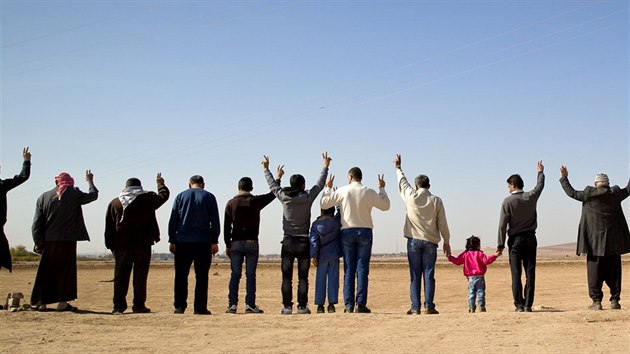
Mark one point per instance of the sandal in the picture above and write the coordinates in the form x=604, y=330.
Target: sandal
x=68, y=308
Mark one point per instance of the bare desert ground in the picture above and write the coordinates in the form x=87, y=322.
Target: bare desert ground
x=560, y=322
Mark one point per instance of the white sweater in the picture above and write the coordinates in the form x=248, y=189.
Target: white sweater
x=356, y=202
x=425, y=218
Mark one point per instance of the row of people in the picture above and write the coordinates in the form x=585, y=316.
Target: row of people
x=194, y=227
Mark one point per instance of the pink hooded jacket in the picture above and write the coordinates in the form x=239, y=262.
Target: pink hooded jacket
x=474, y=262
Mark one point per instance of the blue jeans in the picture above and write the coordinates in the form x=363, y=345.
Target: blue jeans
x=356, y=244
x=476, y=289
x=422, y=256
x=328, y=270
x=248, y=251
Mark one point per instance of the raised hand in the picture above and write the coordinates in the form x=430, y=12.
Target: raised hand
x=331, y=181
x=26, y=154
x=381, y=181
x=159, y=179
x=265, y=162
x=397, y=161
x=279, y=172
x=89, y=176
x=564, y=171
x=540, y=167
x=326, y=159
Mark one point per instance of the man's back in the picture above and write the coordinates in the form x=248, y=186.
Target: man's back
x=194, y=217
x=356, y=202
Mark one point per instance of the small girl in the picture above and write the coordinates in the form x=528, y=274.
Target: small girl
x=474, y=261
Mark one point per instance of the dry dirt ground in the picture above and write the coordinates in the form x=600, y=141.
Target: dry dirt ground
x=560, y=322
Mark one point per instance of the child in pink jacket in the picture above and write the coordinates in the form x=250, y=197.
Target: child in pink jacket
x=475, y=262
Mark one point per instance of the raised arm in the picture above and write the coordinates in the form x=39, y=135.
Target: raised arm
x=92, y=193
x=321, y=181
x=566, y=185
x=540, y=180
x=25, y=173
x=330, y=198
x=381, y=201
x=162, y=194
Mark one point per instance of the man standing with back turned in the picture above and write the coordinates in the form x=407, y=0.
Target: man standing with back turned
x=356, y=202
x=518, y=220
x=603, y=235
x=5, y=186
x=193, y=234
x=130, y=230
x=425, y=222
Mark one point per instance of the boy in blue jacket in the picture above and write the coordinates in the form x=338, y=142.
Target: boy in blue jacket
x=325, y=252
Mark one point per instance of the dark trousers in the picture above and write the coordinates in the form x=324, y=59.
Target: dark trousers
x=292, y=248
x=185, y=255
x=243, y=251
x=137, y=259
x=5, y=251
x=523, y=256
x=56, y=278
x=603, y=269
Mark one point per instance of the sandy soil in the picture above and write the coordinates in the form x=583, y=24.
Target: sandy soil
x=560, y=322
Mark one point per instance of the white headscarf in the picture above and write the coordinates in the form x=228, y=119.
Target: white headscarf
x=128, y=195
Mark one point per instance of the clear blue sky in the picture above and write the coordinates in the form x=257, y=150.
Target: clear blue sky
x=468, y=92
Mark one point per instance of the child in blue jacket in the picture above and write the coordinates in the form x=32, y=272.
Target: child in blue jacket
x=325, y=239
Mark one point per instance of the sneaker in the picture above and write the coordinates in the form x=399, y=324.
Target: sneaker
x=331, y=308
x=363, y=309
x=303, y=310
x=320, y=309
x=287, y=310
x=117, y=312
x=231, y=309
x=141, y=310
x=253, y=309
x=203, y=312
x=615, y=305
x=348, y=310
x=596, y=305
x=482, y=309
x=179, y=311
x=413, y=311
x=471, y=310
x=432, y=311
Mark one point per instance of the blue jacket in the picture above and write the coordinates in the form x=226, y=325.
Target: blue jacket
x=194, y=218
x=326, y=238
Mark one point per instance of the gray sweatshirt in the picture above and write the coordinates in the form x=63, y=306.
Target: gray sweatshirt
x=518, y=212
x=296, y=206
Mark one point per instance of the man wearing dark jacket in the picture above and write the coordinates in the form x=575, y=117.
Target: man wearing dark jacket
x=296, y=223
x=5, y=186
x=130, y=230
x=57, y=226
x=241, y=227
x=193, y=235
x=602, y=235
x=518, y=220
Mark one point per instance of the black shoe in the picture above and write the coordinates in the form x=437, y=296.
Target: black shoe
x=528, y=309
x=203, y=312
x=596, y=305
x=141, y=310
x=363, y=309
x=320, y=309
x=615, y=305
x=348, y=310
x=471, y=310
x=482, y=309
x=117, y=312
x=413, y=311
x=431, y=311
x=519, y=309
x=179, y=311
x=331, y=308
x=253, y=309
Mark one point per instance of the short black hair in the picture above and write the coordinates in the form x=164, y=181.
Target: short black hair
x=422, y=181
x=356, y=174
x=473, y=243
x=516, y=181
x=246, y=184
x=330, y=211
x=133, y=182
x=196, y=179
x=297, y=182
